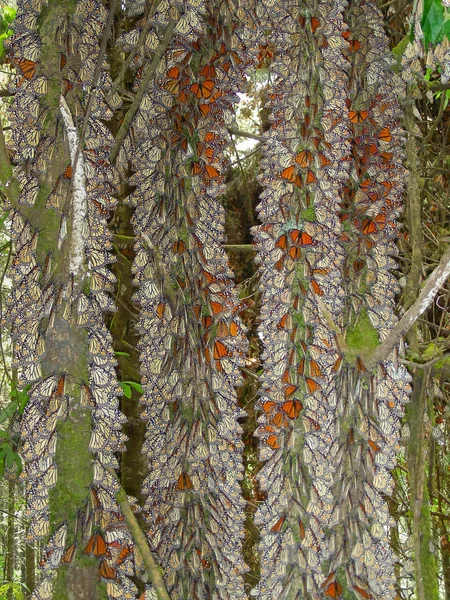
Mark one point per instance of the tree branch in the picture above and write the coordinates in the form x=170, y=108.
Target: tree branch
x=152, y=568
x=246, y=134
x=426, y=296
x=121, y=134
x=79, y=205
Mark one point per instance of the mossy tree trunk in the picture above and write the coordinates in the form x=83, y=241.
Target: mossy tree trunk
x=426, y=576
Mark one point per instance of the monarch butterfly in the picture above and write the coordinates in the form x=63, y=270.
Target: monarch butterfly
x=312, y=385
x=304, y=158
x=272, y=441
x=373, y=225
x=124, y=553
x=208, y=71
x=278, y=525
x=316, y=288
x=375, y=447
x=116, y=590
x=314, y=22
x=184, y=482
x=96, y=545
x=292, y=408
x=220, y=350
x=106, y=571
x=27, y=67
x=358, y=116
x=69, y=554
x=203, y=89
x=301, y=238
x=363, y=593
x=44, y=590
x=333, y=590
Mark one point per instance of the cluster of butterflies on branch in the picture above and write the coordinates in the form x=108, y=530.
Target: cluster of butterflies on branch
x=332, y=176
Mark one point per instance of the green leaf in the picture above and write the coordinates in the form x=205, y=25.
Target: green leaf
x=9, y=459
x=4, y=434
x=2, y=467
x=435, y=22
x=126, y=389
x=134, y=384
x=121, y=353
x=9, y=13
x=18, y=461
x=8, y=412
x=20, y=396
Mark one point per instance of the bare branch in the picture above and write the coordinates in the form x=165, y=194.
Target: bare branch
x=246, y=134
x=426, y=296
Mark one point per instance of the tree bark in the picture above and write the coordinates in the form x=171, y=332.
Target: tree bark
x=10, y=558
x=426, y=576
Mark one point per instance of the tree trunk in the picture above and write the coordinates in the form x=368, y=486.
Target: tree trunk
x=10, y=554
x=426, y=576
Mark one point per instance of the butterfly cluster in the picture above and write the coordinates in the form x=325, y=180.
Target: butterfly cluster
x=333, y=178
x=57, y=298
x=192, y=341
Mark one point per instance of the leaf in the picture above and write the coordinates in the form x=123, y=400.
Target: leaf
x=9, y=13
x=18, y=461
x=121, y=353
x=4, y=434
x=20, y=396
x=8, y=412
x=137, y=386
x=10, y=458
x=126, y=389
x=435, y=22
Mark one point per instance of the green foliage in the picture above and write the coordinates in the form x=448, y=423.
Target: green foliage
x=17, y=590
x=435, y=21
x=8, y=456
x=127, y=385
x=7, y=15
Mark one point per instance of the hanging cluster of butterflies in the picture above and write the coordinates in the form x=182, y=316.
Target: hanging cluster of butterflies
x=192, y=341
x=55, y=293
x=333, y=177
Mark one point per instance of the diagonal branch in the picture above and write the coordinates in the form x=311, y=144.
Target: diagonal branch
x=426, y=296
x=152, y=568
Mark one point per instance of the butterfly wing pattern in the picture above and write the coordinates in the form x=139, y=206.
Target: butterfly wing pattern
x=371, y=204
x=192, y=342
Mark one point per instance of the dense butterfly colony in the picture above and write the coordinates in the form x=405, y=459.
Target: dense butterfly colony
x=47, y=301
x=332, y=176
x=192, y=340
x=333, y=173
